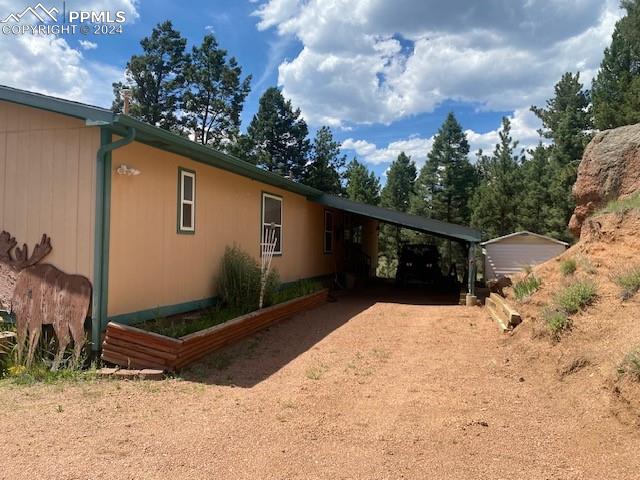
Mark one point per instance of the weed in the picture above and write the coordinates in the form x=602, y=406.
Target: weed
x=568, y=266
x=557, y=321
x=297, y=289
x=221, y=361
x=622, y=205
x=629, y=282
x=527, y=269
x=576, y=296
x=526, y=287
x=315, y=372
x=585, y=265
x=631, y=365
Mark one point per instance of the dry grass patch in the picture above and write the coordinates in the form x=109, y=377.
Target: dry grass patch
x=629, y=282
x=568, y=266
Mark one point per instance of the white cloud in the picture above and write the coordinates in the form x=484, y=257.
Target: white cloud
x=87, y=45
x=523, y=128
x=375, y=61
x=49, y=65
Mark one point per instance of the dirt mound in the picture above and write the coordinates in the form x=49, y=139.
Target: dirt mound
x=610, y=169
x=591, y=352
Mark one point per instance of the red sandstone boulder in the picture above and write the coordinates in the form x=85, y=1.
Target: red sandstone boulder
x=610, y=169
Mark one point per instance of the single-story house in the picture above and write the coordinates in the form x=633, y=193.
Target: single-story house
x=510, y=254
x=146, y=215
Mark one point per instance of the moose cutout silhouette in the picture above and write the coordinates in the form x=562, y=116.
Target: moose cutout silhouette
x=44, y=295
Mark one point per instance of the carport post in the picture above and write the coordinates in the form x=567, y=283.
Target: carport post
x=472, y=269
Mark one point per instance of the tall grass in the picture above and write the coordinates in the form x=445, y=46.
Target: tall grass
x=622, y=205
x=629, y=282
x=239, y=281
x=576, y=296
x=568, y=266
x=526, y=287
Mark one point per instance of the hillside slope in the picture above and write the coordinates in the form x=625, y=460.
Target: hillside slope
x=586, y=358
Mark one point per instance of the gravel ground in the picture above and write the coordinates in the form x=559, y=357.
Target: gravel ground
x=360, y=388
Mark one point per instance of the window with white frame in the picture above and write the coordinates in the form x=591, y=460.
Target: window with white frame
x=328, y=231
x=272, y=219
x=186, y=201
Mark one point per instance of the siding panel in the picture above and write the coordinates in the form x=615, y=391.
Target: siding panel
x=47, y=183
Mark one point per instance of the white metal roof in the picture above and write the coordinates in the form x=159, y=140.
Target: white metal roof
x=524, y=232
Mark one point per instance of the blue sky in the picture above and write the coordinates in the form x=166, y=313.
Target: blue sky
x=382, y=74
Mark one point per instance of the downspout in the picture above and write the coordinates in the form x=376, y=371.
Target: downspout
x=102, y=227
x=472, y=268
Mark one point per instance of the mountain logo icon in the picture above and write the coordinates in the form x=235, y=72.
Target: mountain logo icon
x=40, y=12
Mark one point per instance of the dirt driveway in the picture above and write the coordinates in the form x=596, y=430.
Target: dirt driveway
x=358, y=389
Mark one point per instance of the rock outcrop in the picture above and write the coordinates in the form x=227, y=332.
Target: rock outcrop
x=610, y=169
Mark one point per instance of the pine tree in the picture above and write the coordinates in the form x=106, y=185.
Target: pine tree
x=214, y=95
x=446, y=180
x=156, y=78
x=277, y=136
x=495, y=204
x=536, y=199
x=616, y=88
x=362, y=185
x=326, y=163
x=566, y=121
x=396, y=195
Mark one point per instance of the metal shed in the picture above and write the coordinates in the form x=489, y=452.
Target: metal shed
x=508, y=255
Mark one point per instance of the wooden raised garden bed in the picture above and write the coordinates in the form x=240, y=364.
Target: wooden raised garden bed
x=132, y=347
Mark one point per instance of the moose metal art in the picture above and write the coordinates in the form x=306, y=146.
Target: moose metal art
x=44, y=295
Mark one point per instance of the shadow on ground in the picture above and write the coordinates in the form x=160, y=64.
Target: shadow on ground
x=254, y=359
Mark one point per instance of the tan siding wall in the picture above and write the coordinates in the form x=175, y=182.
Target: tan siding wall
x=151, y=265
x=47, y=183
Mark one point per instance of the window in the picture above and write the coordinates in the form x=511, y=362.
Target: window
x=328, y=232
x=272, y=219
x=186, y=201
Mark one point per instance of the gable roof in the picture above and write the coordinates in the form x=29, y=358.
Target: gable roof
x=156, y=137
x=524, y=232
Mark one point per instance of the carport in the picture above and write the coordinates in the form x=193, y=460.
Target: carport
x=467, y=236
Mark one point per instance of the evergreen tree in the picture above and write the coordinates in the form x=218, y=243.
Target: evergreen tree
x=396, y=195
x=566, y=121
x=156, y=78
x=215, y=94
x=399, y=188
x=496, y=201
x=326, y=163
x=446, y=180
x=362, y=185
x=616, y=88
x=277, y=136
x=536, y=198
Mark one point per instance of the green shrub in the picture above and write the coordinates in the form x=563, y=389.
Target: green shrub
x=526, y=287
x=576, y=296
x=629, y=282
x=557, y=320
x=631, y=365
x=239, y=281
x=622, y=205
x=568, y=266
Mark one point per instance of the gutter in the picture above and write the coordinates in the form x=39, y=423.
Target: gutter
x=102, y=228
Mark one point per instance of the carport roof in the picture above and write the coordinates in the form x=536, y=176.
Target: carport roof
x=414, y=222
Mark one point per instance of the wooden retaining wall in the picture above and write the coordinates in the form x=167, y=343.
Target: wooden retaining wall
x=132, y=347
x=502, y=313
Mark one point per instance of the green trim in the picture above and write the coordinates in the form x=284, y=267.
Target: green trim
x=324, y=232
x=261, y=221
x=179, y=228
x=171, y=142
x=93, y=114
x=194, y=305
x=102, y=232
x=164, y=311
